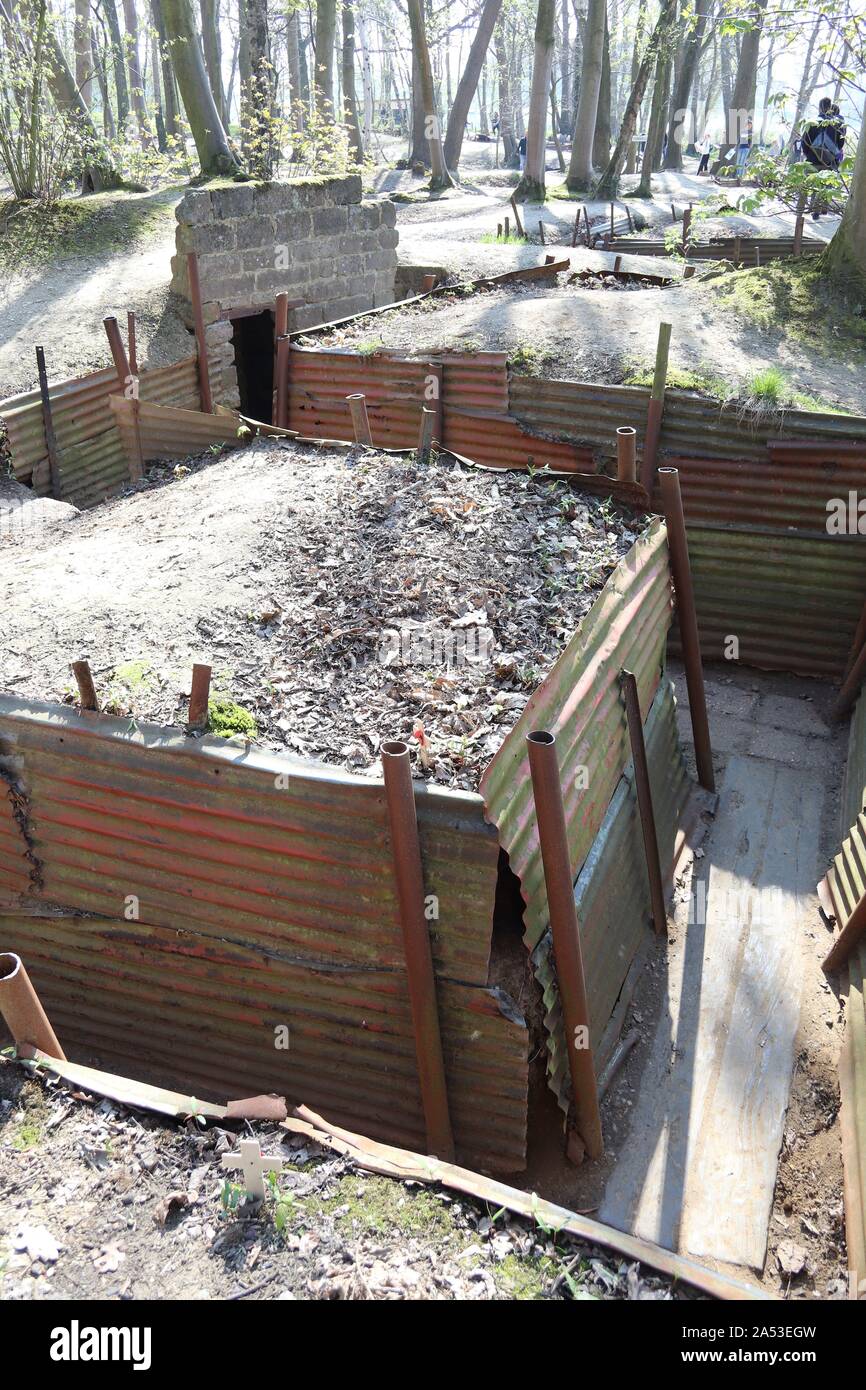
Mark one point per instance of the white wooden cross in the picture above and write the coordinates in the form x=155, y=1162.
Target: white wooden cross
x=255, y=1164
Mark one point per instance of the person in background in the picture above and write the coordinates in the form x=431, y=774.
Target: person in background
x=744, y=149
x=840, y=131
x=495, y=122
x=521, y=150
x=704, y=148
x=820, y=144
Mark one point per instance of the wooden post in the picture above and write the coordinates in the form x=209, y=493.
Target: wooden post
x=129, y=390
x=507, y=226
x=118, y=352
x=612, y=233
x=86, y=689
x=281, y=328
x=205, y=398
x=48, y=425
x=797, y=248
x=575, y=233
x=541, y=231
x=586, y=225
x=517, y=222
x=499, y=231
x=629, y=216
x=360, y=418
x=656, y=409
x=425, y=434
x=198, y=696
x=130, y=338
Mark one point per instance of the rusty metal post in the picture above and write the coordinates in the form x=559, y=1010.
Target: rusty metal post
x=678, y=547
x=643, y=789
x=656, y=407
x=48, y=425
x=626, y=465
x=587, y=226
x=281, y=328
x=131, y=340
x=506, y=224
x=86, y=689
x=850, y=687
x=428, y=284
x=553, y=839
x=499, y=231
x=409, y=874
x=617, y=264
x=205, y=398
x=612, y=234
x=281, y=409
x=118, y=352
x=576, y=230
x=360, y=418
x=629, y=216
x=687, y=226
x=541, y=231
x=198, y=696
x=23, y=1014
x=688, y=272
x=425, y=434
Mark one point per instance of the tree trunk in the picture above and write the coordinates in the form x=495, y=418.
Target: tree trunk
x=169, y=88
x=99, y=171
x=293, y=53
x=745, y=86
x=506, y=115
x=211, y=143
x=136, y=85
x=655, y=132
x=83, y=58
x=691, y=52
x=566, y=111
x=366, y=80
x=580, y=165
x=326, y=37
x=531, y=186
x=640, y=30
x=350, y=99
x=420, y=148
x=439, y=178
x=807, y=85
x=100, y=67
x=468, y=83
x=608, y=184
x=257, y=92
x=210, y=42
x=117, y=54
x=601, y=140
x=845, y=257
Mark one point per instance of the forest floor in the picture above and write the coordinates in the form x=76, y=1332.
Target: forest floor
x=111, y=253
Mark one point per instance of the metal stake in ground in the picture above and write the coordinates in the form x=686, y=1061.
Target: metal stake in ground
x=425, y=434
x=360, y=419
x=626, y=464
x=409, y=874
x=86, y=689
x=22, y=1012
x=656, y=407
x=48, y=425
x=643, y=789
x=678, y=547
x=553, y=839
x=198, y=696
x=281, y=406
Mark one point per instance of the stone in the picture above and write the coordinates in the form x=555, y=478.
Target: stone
x=194, y=207
x=255, y=231
x=233, y=202
x=328, y=220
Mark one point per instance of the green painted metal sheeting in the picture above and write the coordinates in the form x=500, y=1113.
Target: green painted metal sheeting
x=612, y=890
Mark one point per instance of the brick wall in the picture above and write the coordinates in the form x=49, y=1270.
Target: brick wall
x=316, y=240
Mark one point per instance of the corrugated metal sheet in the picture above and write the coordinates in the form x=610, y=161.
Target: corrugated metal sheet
x=15, y=865
x=743, y=250
x=253, y=883
x=93, y=462
x=589, y=414
x=846, y=878
x=166, y=432
x=320, y=381
x=789, y=490
x=612, y=890
x=852, y=1068
x=854, y=785
x=579, y=701
x=792, y=600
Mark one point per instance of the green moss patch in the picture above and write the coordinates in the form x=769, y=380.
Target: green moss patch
x=226, y=718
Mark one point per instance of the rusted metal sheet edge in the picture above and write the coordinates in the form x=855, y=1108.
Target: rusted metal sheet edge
x=409, y=1167
x=138, y=1095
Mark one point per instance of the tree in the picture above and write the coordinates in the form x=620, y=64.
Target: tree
x=440, y=177
x=212, y=47
x=608, y=184
x=121, y=90
x=506, y=115
x=579, y=175
x=601, y=140
x=531, y=186
x=169, y=87
x=845, y=258
x=130, y=19
x=468, y=84
x=350, y=99
x=691, y=52
x=742, y=101
x=83, y=58
x=257, y=88
x=187, y=59
x=326, y=37
x=655, y=131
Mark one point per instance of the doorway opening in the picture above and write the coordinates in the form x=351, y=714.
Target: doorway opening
x=253, y=342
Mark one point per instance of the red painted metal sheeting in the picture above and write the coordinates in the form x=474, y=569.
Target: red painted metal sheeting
x=266, y=902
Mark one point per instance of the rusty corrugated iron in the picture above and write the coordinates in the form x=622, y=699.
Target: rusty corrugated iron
x=612, y=891
x=852, y=1077
x=788, y=488
x=93, y=463
x=792, y=600
x=853, y=798
x=579, y=702
x=742, y=250
x=16, y=877
x=166, y=432
x=264, y=905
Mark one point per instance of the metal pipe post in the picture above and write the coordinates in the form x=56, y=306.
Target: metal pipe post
x=678, y=547
x=643, y=788
x=553, y=839
x=24, y=1016
x=205, y=398
x=408, y=871
x=360, y=418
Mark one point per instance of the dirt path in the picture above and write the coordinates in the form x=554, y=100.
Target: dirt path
x=62, y=304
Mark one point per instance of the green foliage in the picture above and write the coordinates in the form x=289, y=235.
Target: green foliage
x=768, y=386
x=40, y=147
x=511, y=240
